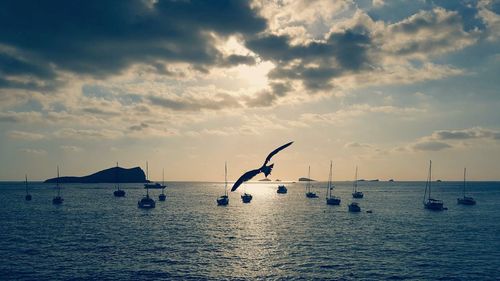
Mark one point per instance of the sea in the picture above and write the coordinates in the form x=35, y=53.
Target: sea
x=95, y=236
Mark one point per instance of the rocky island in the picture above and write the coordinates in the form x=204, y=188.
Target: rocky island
x=111, y=175
x=305, y=179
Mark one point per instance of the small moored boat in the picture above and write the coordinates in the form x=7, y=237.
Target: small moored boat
x=28, y=195
x=118, y=192
x=224, y=199
x=355, y=193
x=57, y=200
x=162, y=196
x=431, y=203
x=282, y=189
x=354, y=207
x=330, y=199
x=246, y=198
x=465, y=200
x=309, y=193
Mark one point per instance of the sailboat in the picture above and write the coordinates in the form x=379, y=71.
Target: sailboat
x=152, y=185
x=118, y=192
x=57, y=200
x=430, y=203
x=465, y=200
x=354, y=207
x=246, y=197
x=28, y=195
x=282, y=189
x=309, y=194
x=355, y=192
x=331, y=200
x=146, y=202
x=162, y=196
x=224, y=199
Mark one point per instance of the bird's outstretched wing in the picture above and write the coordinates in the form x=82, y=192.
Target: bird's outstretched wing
x=276, y=151
x=245, y=177
x=264, y=169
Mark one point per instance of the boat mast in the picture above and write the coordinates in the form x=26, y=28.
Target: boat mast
x=465, y=169
x=26, y=178
x=329, y=186
x=162, y=180
x=57, y=183
x=430, y=177
x=147, y=179
x=225, y=178
x=116, y=177
x=355, y=184
x=308, y=185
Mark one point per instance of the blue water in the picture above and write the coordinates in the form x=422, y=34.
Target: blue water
x=279, y=237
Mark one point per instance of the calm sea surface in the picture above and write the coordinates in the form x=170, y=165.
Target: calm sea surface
x=279, y=237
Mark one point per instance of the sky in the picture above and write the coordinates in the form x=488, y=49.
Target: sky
x=188, y=85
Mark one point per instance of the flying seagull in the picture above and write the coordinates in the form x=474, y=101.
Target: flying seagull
x=264, y=169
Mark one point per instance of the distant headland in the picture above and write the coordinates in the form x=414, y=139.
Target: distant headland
x=111, y=175
x=305, y=179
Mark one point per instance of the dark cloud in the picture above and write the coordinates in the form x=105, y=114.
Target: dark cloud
x=237, y=59
x=281, y=88
x=139, y=127
x=470, y=133
x=99, y=38
x=219, y=101
x=100, y=111
x=431, y=146
x=455, y=135
x=342, y=52
x=261, y=99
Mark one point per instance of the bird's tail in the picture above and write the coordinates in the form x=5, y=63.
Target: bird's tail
x=267, y=170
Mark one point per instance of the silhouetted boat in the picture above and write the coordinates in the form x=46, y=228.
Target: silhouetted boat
x=152, y=185
x=146, y=202
x=282, y=189
x=354, y=207
x=162, y=196
x=309, y=193
x=430, y=203
x=246, y=198
x=330, y=199
x=465, y=200
x=28, y=195
x=224, y=199
x=57, y=200
x=118, y=192
x=355, y=192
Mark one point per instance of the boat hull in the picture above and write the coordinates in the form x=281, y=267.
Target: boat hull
x=358, y=195
x=223, y=201
x=58, y=200
x=311, y=195
x=162, y=197
x=466, y=201
x=354, y=208
x=333, y=201
x=146, y=203
x=246, y=198
x=434, y=205
x=282, y=189
x=27, y=197
x=119, y=193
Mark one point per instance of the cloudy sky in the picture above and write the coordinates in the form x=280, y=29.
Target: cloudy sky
x=187, y=85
